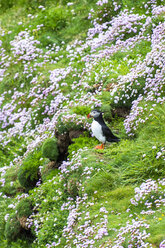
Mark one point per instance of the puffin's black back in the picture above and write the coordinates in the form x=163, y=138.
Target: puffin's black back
x=109, y=135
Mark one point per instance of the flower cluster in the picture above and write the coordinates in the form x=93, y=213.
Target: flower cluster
x=59, y=74
x=101, y=2
x=24, y=46
x=91, y=230
x=124, y=23
x=159, y=10
x=162, y=244
x=150, y=194
x=152, y=70
x=88, y=233
x=134, y=233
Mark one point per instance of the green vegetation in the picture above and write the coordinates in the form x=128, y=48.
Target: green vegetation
x=28, y=173
x=12, y=228
x=24, y=208
x=50, y=149
x=59, y=60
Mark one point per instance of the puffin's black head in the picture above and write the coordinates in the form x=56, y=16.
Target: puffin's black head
x=94, y=113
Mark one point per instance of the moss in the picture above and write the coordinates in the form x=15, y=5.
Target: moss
x=28, y=173
x=27, y=179
x=50, y=149
x=24, y=208
x=12, y=228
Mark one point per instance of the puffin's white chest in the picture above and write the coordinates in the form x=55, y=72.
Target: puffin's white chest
x=97, y=131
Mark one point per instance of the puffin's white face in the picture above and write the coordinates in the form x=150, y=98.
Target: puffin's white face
x=95, y=113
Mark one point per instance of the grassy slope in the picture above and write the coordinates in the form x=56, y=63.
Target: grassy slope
x=108, y=177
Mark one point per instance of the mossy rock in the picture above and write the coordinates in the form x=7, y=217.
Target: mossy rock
x=24, y=208
x=12, y=228
x=25, y=179
x=28, y=173
x=50, y=149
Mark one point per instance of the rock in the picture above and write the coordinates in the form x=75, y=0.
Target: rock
x=75, y=134
x=48, y=167
x=52, y=164
x=63, y=141
x=121, y=112
x=23, y=222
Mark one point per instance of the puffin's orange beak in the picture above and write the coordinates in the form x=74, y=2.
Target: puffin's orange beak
x=88, y=116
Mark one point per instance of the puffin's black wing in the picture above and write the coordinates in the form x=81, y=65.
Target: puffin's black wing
x=108, y=134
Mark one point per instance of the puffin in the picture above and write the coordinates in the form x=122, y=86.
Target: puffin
x=100, y=129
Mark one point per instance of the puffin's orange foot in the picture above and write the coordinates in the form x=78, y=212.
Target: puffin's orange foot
x=100, y=146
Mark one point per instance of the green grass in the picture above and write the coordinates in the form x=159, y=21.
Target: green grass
x=108, y=177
